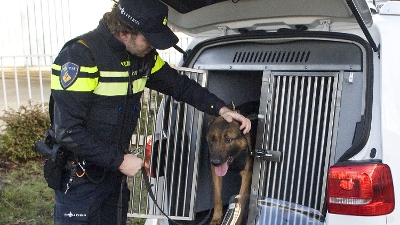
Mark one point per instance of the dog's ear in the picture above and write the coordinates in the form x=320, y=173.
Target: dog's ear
x=249, y=144
x=211, y=121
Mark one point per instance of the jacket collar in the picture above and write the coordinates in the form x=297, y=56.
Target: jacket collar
x=109, y=37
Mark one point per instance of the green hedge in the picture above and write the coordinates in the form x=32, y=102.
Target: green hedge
x=20, y=131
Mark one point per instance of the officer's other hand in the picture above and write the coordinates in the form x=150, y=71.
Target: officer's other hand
x=229, y=115
x=131, y=165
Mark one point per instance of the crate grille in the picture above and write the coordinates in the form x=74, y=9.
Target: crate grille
x=171, y=132
x=301, y=114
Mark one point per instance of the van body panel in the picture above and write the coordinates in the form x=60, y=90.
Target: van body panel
x=390, y=107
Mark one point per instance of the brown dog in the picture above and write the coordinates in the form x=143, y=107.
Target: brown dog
x=229, y=148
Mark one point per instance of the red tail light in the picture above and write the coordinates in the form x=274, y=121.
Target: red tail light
x=360, y=189
x=147, y=158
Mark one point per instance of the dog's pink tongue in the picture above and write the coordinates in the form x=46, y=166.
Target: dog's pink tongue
x=221, y=170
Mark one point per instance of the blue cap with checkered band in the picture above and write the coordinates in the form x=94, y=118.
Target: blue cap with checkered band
x=150, y=18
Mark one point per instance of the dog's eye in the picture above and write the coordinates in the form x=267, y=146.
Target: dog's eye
x=212, y=138
x=228, y=140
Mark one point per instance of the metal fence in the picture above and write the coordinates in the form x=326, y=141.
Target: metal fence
x=26, y=85
x=32, y=34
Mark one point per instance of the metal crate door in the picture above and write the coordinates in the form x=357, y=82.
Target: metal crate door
x=299, y=118
x=174, y=131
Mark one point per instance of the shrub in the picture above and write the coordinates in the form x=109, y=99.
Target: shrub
x=20, y=131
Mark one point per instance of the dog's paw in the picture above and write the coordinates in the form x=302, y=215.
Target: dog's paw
x=216, y=221
x=217, y=216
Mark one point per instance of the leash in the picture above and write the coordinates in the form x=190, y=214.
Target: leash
x=151, y=194
x=119, y=204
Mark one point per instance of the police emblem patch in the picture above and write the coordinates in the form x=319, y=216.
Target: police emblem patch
x=69, y=73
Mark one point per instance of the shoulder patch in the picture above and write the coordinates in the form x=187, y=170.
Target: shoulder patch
x=69, y=73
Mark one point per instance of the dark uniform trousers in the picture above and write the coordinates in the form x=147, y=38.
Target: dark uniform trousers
x=86, y=202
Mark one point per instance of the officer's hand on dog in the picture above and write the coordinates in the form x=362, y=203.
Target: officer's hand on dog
x=228, y=115
x=131, y=165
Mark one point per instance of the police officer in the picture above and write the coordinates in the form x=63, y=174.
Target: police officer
x=97, y=81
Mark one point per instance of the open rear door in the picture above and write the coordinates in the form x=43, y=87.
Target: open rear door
x=169, y=135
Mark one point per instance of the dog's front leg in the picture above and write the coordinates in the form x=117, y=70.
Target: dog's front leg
x=217, y=216
x=244, y=192
x=246, y=175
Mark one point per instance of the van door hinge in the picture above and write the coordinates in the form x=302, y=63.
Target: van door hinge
x=363, y=27
x=326, y=25
x=223, y=30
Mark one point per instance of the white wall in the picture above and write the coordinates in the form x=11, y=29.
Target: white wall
x=85, y=14
x=41, y=27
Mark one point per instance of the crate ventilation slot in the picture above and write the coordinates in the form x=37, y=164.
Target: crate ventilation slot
x=272, y=57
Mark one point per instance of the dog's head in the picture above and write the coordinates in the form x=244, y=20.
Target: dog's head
x=225, y=143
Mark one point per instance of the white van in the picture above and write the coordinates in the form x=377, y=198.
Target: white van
x=327, y=75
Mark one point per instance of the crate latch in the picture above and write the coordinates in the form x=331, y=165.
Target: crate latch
x=267, y=155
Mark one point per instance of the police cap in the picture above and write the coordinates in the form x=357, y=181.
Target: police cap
x=150, y=18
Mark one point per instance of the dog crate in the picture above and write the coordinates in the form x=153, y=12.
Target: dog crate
x=314, y=98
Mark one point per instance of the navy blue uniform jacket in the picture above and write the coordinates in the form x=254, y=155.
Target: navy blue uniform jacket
x=97, y=84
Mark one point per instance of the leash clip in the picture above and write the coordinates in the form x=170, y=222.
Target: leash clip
x=83, y=170
x=136, y=151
